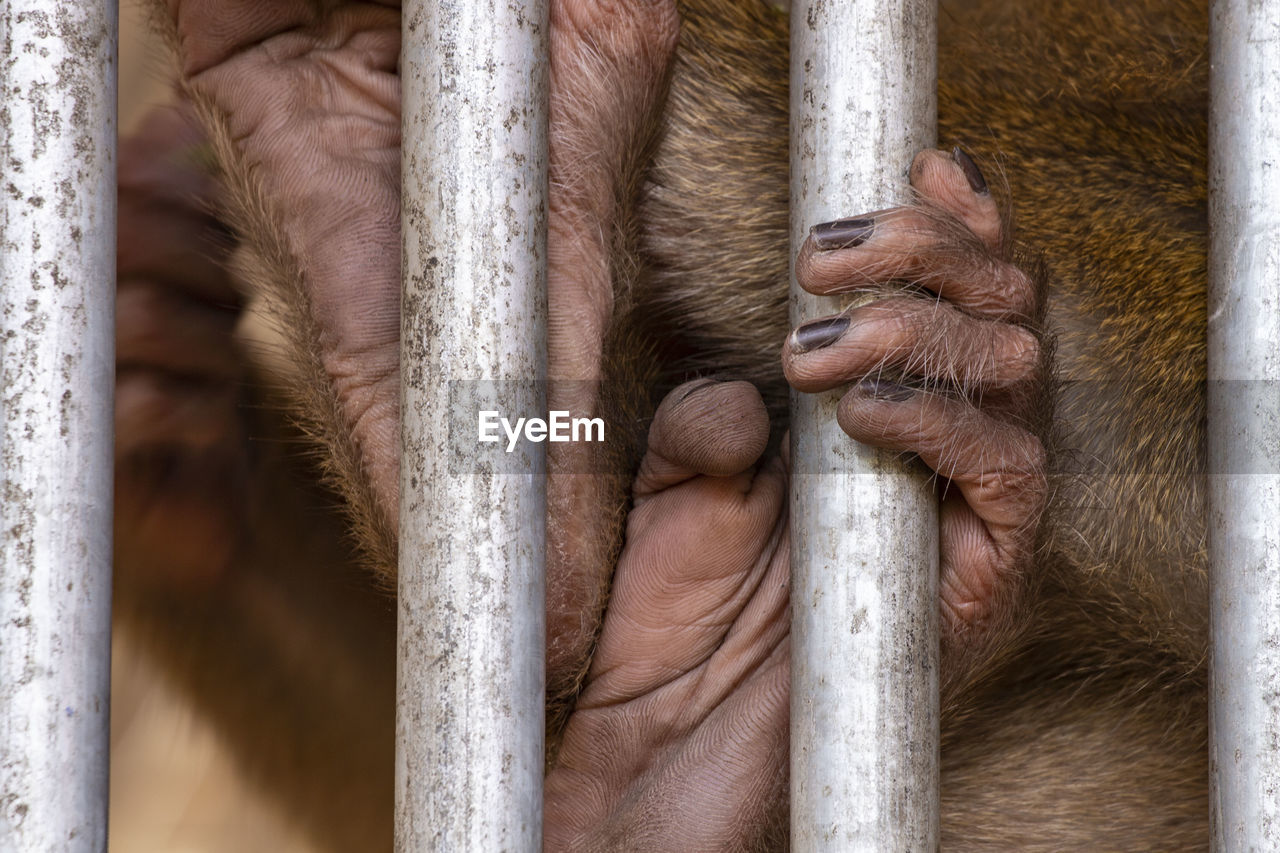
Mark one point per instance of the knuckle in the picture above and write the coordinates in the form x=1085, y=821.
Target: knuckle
x=1019, y=355
x=1019, y=290
x=883, y=322
x=1020, y=477
x=904, y=320
x=867, y=418
x=1037, y=462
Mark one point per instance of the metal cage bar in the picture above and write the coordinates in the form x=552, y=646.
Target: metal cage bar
x=1244, y=424
x=469, y=729
x=57, y=309
x=864, y=555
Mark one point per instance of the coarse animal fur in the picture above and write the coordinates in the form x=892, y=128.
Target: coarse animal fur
x=1086, y=728
x=1095, y=116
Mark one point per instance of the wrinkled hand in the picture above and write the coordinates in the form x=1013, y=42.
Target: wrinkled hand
x=679, y=739
x=686, y=701
x=954, y=371
x=303, y=100
x=303, y=103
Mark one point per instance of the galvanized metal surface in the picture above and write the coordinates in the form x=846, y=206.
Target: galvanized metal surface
x=469, y=731
x=1244, y=424
x=57, y=298
x=864, y=688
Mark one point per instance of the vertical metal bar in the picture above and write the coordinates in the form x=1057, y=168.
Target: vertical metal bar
x=57, y=312
x=864, y=683
x=469, y=730
x=1244, y=424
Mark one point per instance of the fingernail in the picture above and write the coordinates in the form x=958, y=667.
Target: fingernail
x=841, y=234
x=818, y=334
x=971, y=171
x=889, y=392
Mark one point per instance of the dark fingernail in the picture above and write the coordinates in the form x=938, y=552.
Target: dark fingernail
x=841, y=234
x=889, y=392
x=971, y=171
x=818, y=334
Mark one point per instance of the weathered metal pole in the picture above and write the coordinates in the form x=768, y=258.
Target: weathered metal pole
x=57, y=315
x=469, y=730
x=1244, y=424
x=864, y=683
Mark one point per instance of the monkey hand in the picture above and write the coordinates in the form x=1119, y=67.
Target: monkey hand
x=182, y=459
x=953, y=369
x=301, y=102
x=679, y=738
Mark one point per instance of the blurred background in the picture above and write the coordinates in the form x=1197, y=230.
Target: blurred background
x=172, y=787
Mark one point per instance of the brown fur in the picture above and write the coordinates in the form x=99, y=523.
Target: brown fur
x=1094, y=115
x=600, y=151
x=266, y=261
x=291, y=656
x=1086, y=730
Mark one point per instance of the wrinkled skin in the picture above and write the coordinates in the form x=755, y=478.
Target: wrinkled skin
x=678, y=738
x=686, y=701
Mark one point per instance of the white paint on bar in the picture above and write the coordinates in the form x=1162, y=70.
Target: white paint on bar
x=1244, y=424
x=57, y=333
x=469, y=728
x=864, y=688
